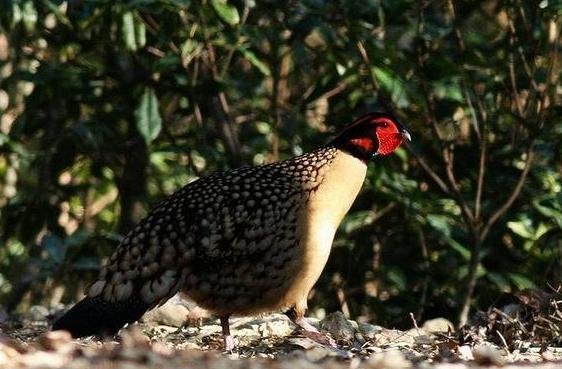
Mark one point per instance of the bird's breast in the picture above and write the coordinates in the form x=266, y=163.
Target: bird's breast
x=325, y=209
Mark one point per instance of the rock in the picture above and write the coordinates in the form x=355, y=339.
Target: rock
x=56, y=341
x=438, y=325
x=248, y=333
x=134, y=337
x=369, y=331
x=465, y=353
x=393, y=338
x=276, y=328
x=37, y=313
x=424, y=339
x=339, y=327
x=488, y=355
x=392, y=359
x=210, y=329
x=171, y=314
x=549, y=356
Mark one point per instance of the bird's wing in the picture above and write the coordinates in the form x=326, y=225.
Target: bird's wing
x=223, y=224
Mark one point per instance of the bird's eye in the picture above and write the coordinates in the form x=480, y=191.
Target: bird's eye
x=384, y=125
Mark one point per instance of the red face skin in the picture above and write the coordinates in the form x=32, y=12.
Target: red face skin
x=372, y=135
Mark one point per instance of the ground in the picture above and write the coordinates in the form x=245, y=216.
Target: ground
x=163, y=340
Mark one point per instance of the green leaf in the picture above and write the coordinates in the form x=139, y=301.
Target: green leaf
x=499, y=280
x=128, y=31
x=357, y=220
x=463, y=251
x=133, y=31
x=554, y=211
x=398, y=277
x=149, y=122
x=227, y=13
x=16, y=14
x=29, y=15
x=521, y=281
x=61, y=17
x=392, y=83
x=440, y=223
x=521, y=229
x=252, y=58
x=140, y=34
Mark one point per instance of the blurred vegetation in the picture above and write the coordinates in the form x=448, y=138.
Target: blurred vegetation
x=107, y=106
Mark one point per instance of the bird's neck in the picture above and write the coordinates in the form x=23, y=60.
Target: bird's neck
x=331, y=178
x=331, y=170
x=342, y=179
x=361, y=149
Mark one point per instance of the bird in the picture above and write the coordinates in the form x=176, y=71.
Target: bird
x=241, y=242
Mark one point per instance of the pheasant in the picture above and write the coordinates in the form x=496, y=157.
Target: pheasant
x=241, y=242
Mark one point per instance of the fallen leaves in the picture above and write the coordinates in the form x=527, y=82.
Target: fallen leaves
x=272, y=342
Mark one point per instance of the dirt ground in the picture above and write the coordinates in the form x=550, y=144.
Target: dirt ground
x=163, y=340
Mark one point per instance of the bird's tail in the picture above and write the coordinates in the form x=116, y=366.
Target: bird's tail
x=96, y=316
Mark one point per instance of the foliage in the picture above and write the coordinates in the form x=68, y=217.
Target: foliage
x=107, y=107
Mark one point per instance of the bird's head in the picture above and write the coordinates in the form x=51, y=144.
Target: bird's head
x=371, y=135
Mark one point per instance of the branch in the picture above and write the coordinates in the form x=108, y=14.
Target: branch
x=448, y=157
x=227, y=127
x=480, y=133
x=384, y=100
x=514, y=193
x=446, y=152
x=480, y=180
x=430, y=172
x=231, y=52
x=482, y=146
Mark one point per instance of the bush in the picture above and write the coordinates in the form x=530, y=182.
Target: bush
x=108, y=107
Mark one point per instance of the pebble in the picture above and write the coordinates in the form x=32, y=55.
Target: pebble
x=392, y=359
x=438, y=325
x=170, y=314
x=488, y=355
x=339, y=327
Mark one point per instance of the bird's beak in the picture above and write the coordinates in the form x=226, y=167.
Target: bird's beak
x=405, y=135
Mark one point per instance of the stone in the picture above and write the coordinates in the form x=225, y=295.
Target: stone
x=488, y=355
x=369, y=331
x=37, y=312
x=339, y=327
x=171, y=314
x=276, y=328
x=438, y=325
x=392, y=359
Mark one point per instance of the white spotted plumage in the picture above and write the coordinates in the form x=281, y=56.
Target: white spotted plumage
x=221, y=225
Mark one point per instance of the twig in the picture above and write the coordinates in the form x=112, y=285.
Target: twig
x=414, y=322
x=514, y=193
x=506, y=348
x=426, y=266
x=229, y=131
x=480, y=180
x=384, y=100
x=436, y=178
x=228, y=60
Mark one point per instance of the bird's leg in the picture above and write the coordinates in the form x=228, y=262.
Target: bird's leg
x=228, y=339
x=308, y=330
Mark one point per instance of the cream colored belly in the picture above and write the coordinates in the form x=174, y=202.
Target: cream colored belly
x=325, y=211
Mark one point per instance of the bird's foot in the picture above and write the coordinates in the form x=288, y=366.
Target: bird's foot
x=227, y=338
x=309, y=331
x=228, y=343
